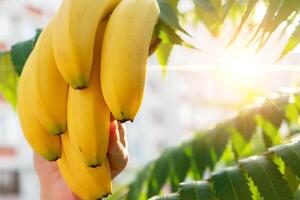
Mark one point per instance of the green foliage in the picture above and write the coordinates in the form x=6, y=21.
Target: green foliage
x=250, y=8
x=135, y=188
x=271, y=183
x=231, y=184
x=21, y=51
x=290, y=154
x=267, y=177
x=159, y=174
x=169, y=16
x=179, y=172
x=234, y=182
x=278, y=12
x=207, y=13
x=200, y=190
x=250, y=132
x=254, y=178
x=163, y=52
x=293, y=42
x=8, y=79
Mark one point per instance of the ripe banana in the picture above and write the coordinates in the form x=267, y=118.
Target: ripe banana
x=48, y=88
x=87, y=183
x=88, y=115
x=124, y=56
x=45, y=144
x=74, y=35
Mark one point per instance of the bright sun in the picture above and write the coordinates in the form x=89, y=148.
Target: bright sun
x=241, y=66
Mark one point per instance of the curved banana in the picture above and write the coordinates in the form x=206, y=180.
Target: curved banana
x=87, y=183
x=88, y=115
x=48, y=88
x=74, y=35
x=45, y=144
x=124, y=56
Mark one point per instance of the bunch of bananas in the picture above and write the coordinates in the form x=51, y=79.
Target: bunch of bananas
x=89, y=62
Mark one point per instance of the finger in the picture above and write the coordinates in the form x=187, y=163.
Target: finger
x=116, y=150
x=117, y=153
x=122, y=134
x=113, y=136
x=117, y=160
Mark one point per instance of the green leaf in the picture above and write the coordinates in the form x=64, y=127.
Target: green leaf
x=269, y=130
x=290, y=154
x=216, y=4
x=180, y=165
x=292, y=113
x=228, y=157
x=268, y=18
x=135, y=188
x=21, y=51
x=163, y=53
x=225, y=9
x=267, y=178
x=218, y=138
x=291, y=179
x=273, y=111
x=292, y=43
x=238, y=143
x=169, y=15
x=166, y=197
x=208, y=17
x=201, y=154
x=168, y=35
x=287, y=8
x=255, y=146
x=231, y=184
x=200, y=190
x=250, y=8
x=159, y=174
x=245, y=122
x=297, y=195
x=205, y=4
x=253, y=189
x=8, y=79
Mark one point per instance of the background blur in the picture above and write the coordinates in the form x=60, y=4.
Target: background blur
x=199, y=88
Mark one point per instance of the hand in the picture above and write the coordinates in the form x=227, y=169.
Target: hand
x=53, y=187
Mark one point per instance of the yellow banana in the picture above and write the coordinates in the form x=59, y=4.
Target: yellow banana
x=88, y=115
x=74, y=35
x=124, y=56
x=48, y=88
x=87, y=183
x=45, y=144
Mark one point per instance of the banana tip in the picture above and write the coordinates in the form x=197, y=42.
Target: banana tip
x=126, y=120
x=79, y=84
x=54, y=159
x=104, y=196
x=80, y=87
x=58, y=130
x=94, y=166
